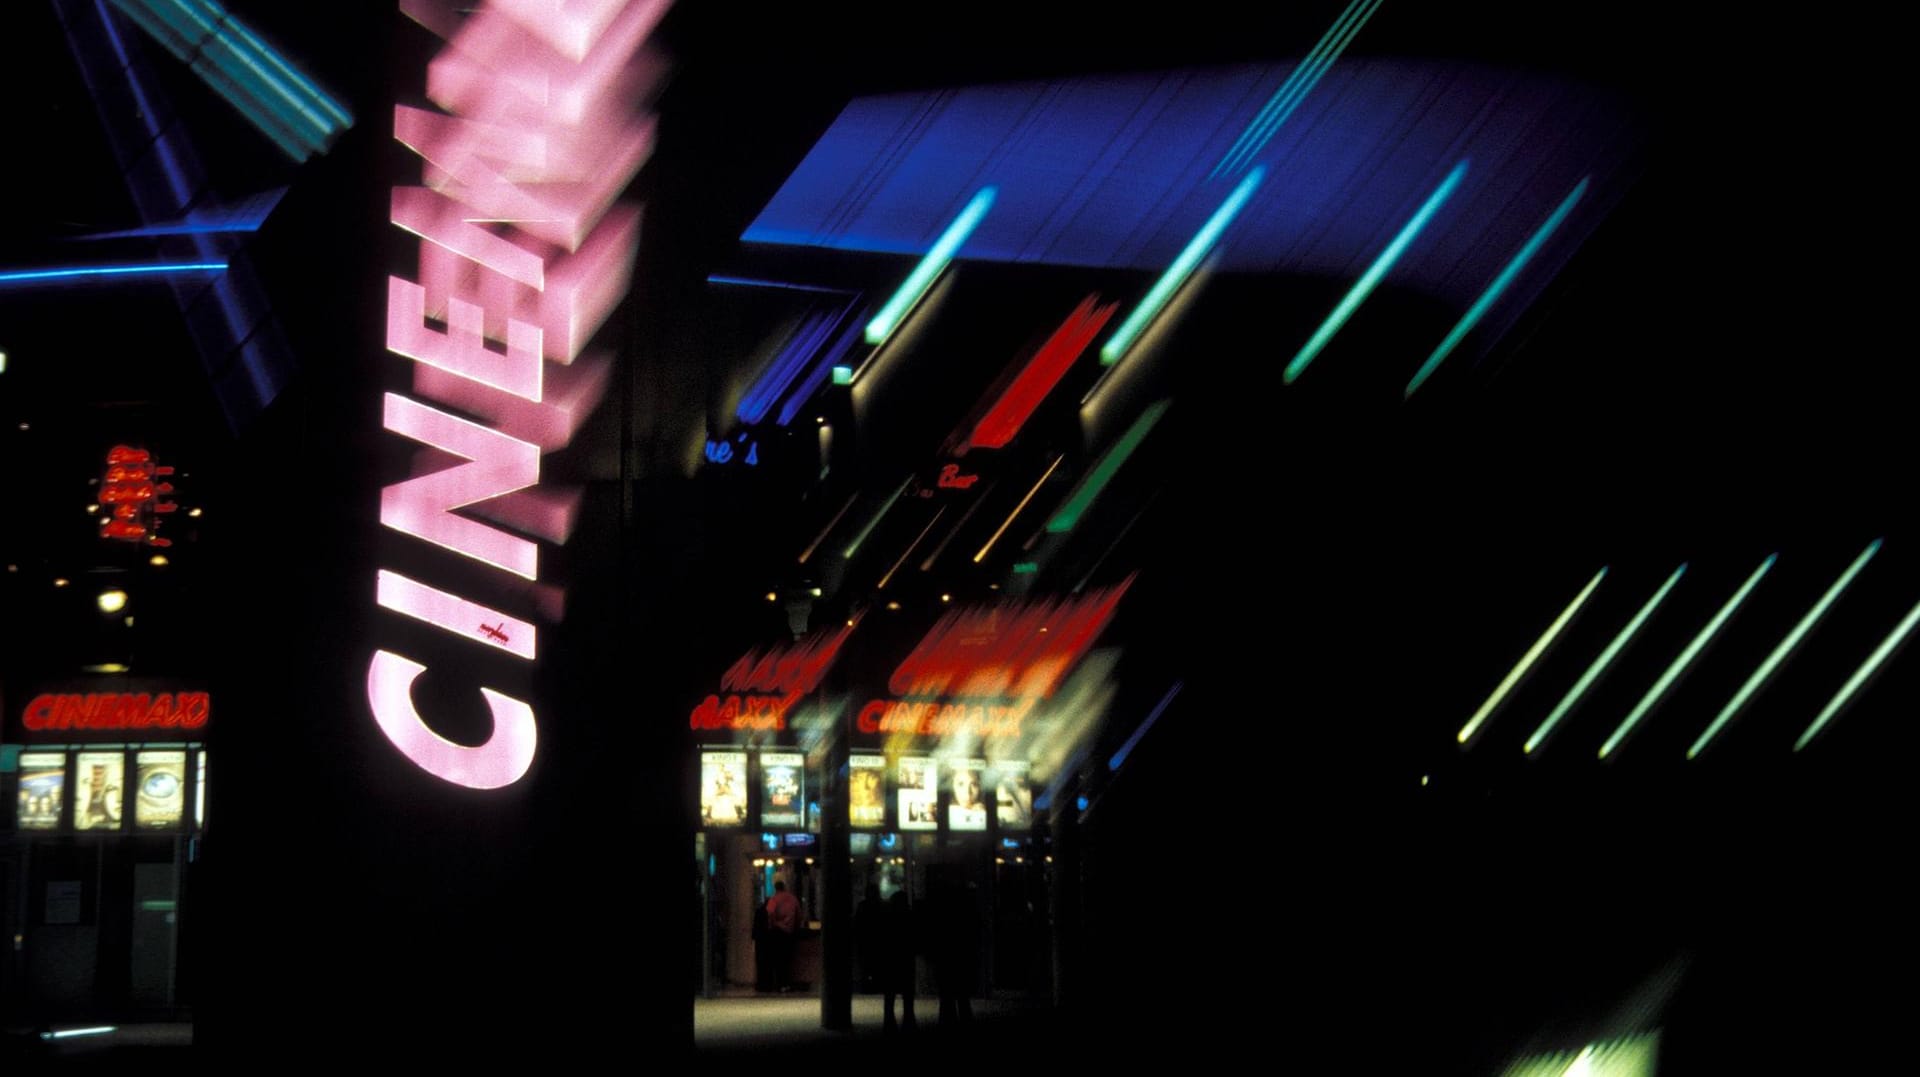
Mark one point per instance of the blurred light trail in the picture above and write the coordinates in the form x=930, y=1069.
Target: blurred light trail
x=1786, y=647
x=1601, y=663
x=756, y=282
x=1068, y=515
x=1182, y=267
x=1008, y=522
x=1300, y=82
x=878, y=515
x=904, y=554
x=1860, y=676
x=1527, y=660
x=827, y=530
x=828, y=362
x=1685, y=658
x=30, y=276
x=1376, y=272
x=1499, y=285
x=1153, y=716
x=247, y=216
x=280, y=102
x=1038, y=377
x=786, y=366
x=930, y=267
x=958, y=526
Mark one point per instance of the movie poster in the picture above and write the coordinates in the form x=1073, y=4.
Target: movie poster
x=866, y=791
x=783, y=789
x=919, y=793
x=160, y=784
x=966, y=800
x=99, y=781
x=1013, y=797
x=200, y=789
x=723, y=788
x=43, y=779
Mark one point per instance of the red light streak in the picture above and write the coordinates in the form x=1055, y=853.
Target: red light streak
x=1044, y=371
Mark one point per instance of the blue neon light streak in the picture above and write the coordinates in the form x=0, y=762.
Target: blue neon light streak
x=22, y=276
x=1182, y=267
x=821, y=370
x=1499, y=285
x=756, y=282
x=786, y=366
x=246, y=217
x=1153, y=716
x=923, y=275
x=1300, y=82
x=1378, y=270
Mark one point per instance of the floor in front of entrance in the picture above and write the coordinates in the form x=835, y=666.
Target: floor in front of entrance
x=767, y=1020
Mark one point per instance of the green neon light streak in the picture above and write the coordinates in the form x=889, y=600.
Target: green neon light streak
x=1182, y=268
x=879, y=514
x=1601, y=663
x=1866, y=670
x=1499, y=285
x=1300, y=82
x=1375, y=272
x=922, y=277
x=1069, y=514
x=1785, y=648
x=1680, y=664
x=1526, y=660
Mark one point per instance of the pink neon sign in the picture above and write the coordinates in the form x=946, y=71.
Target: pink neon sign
x=524, y=245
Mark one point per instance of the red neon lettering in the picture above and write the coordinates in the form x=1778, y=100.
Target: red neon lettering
x=951, y=479
x=39, y=713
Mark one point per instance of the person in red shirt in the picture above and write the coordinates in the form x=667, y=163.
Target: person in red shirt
x=783, y=923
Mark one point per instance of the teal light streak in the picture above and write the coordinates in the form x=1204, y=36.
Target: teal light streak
x=1103, y=472
x=1527, y=660
x=1300, y=82
x=1785, y=648
x=1601, y=663
x=1499, y=285
x=1866, y=670
x=1680, y=664
x=1378, y=270
x=923, y=275
x=1182, y=268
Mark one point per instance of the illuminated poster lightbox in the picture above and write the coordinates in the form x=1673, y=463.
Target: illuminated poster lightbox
x=160, y=789
x=966, y=802
x=723, y=788
x=43, y=779
x=1013, y=797
x=919, y=793
x=99, y=781
x=783, y=789
x=866, y=791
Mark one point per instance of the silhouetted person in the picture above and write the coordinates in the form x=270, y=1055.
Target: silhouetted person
x=869, y=937
x=783, y=923
x=896, y=964
x=956, y=952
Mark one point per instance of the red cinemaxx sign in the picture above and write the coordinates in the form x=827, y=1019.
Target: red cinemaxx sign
x=532, y=138
x=116, y=710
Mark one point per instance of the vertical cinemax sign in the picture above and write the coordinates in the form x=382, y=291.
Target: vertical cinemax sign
x=524, y=251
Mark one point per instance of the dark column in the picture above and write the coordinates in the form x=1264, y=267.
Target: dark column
x=836, y=904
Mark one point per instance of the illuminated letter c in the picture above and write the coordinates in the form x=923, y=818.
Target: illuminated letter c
x=501, y=761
